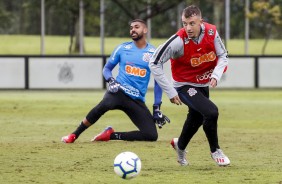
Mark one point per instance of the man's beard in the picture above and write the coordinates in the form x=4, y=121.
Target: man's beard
x=137, y=38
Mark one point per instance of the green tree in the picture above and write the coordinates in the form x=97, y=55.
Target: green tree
x=10, y=16
x=63, y=18
x=237, y=17
x=120, y=12
x=5, y=19
x=267, y=17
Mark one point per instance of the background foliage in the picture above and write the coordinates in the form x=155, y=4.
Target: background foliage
x=23, y=16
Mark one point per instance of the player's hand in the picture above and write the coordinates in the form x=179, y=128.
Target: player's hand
x=113, y=85
x=213, y=82
x=176, y=100
x=159, y=118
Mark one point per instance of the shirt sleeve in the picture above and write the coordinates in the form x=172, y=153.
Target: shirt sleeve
x=111, y=63
x=222, y=55
x=107, y=70
x=172, y=48
x=157, y=94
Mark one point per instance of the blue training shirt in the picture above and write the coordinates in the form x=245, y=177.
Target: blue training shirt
x=134, y=72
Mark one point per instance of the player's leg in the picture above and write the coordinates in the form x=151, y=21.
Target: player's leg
x=140, y=115
x=107, y=103
x=110, y=101
x=198, y=99
x=210, y=129
x=192, y=123
x=210, y=116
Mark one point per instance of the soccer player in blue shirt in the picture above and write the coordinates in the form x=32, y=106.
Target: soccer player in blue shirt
x=127, y=92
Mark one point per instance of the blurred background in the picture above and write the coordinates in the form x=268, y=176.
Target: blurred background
x=237, y=21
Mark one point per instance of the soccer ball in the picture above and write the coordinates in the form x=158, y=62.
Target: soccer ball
x=127, y=165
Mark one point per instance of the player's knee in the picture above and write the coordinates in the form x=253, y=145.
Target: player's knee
x=212, y=114
x=210, y=120
x=154, y=137
x=209, y=126
x=151, y=136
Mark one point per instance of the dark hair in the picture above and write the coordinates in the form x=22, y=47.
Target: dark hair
x=191, y=10
x=138, y=20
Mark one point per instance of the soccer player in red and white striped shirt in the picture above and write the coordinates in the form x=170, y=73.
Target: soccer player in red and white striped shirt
x=198, y=60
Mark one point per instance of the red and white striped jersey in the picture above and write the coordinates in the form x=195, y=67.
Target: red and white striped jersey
x=193, y=62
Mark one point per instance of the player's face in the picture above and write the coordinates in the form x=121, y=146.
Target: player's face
x=192, y=25
x=137, y=30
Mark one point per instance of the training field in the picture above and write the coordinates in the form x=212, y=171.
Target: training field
x=60, y=44
x=33, y=122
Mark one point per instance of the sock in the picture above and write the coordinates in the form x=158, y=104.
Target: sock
x=80, y=129
x=116, y=136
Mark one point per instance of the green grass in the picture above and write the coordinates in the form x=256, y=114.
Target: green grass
x=33, y=122
x=29, y=45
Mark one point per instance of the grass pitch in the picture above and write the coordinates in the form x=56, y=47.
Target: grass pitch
x=59, y=45
x=33, y=122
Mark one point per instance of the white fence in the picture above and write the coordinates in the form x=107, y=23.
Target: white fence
x=85, y=72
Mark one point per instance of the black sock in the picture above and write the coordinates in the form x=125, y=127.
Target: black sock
x=116, y=136
x=80, y=129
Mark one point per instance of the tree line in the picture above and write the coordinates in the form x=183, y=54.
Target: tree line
x=23, y=16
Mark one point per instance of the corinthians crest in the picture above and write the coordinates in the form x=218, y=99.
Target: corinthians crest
x=211, y=32
x=65, y=74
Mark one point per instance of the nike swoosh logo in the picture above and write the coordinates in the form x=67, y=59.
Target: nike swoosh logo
x=199, y=49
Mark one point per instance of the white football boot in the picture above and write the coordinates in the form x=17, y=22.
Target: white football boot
x=181, y=154
x=220, y=158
